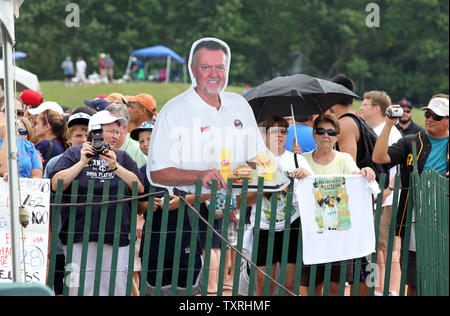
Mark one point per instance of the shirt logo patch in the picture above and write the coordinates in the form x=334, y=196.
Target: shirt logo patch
x=205, y=129
x=238, y=124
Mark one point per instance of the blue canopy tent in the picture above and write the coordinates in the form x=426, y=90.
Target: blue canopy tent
x=159, y=53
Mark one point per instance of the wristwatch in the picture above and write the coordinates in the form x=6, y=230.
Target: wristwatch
x=390, y=188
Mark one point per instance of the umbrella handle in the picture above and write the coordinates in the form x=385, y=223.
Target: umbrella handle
x=295, y=127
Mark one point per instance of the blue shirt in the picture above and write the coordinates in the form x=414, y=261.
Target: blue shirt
x=304, y=137
x=68, y=67
x=437, y=159
x=27, y=157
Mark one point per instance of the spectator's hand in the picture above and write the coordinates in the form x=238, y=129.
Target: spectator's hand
x=156, y=203
x=296, y=148
x=299, y=173
x=110, y=158
x=85, y=150
x=174, y=202
x=386, y=193
x=367, y=172
x=5, y=176
x=392, y=121
x=208, y=175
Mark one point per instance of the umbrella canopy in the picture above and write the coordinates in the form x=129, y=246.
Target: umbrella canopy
x=303, y=94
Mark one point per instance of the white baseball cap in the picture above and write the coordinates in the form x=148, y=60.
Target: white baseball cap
x=438, y=105
x=104, y=117
x=48, y=105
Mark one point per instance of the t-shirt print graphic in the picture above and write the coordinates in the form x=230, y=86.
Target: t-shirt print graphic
x=331, y=204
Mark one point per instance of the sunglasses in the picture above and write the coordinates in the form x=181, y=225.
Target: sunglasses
x=18, y=112
x=22, y=131
x=435, y=117
x=407, y=111
x=275, y=131
x=322, y=131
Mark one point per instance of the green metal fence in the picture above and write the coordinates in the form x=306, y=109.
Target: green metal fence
x=430, y=198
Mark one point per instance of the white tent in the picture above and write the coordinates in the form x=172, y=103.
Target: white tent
x=23, y=78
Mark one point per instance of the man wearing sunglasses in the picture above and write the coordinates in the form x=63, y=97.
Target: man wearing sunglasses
x=405, y=125
x=432, y=154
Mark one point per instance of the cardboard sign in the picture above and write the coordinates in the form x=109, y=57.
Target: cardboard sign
x=35, y=196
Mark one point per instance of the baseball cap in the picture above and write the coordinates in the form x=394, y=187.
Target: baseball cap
x=145, y=99
x=116, y=97
x=80, y=115
x=31, y=97
x=98, y=104
x=48, y=105
x=145, y=126
x=104, y=117
x=438, y=105
x=405, y=102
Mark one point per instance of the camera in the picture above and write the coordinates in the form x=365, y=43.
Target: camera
x=97, y=142
x=394, y=112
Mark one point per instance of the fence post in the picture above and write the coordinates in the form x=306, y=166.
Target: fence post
x=378, y=212
x=256, y=230
x=70, y=238
x=147, y=232
x=209, y=236
x=177, y=250
x=87, y=230
x=193, y=241
x=133, y=223
x=240, y=236
x=101, y=238
x=56, y=220
x=223, y=247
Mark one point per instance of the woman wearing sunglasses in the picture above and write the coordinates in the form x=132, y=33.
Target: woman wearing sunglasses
x=326, y=160
x=29, y=163
x=25, y=129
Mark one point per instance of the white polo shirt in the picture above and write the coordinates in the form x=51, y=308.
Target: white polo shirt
x=190, y=134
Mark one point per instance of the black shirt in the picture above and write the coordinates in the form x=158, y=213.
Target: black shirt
x=412, y=128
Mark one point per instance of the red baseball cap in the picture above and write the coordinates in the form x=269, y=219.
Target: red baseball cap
x=31, y=97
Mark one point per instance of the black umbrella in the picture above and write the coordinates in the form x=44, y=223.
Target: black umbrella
x=302, y=94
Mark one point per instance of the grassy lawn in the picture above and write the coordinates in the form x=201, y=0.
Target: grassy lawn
x=74, y=96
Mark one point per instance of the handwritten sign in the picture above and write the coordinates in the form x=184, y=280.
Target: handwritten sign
x=35, y=196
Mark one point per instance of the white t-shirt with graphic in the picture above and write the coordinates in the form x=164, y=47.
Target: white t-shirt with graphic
x=337, y=217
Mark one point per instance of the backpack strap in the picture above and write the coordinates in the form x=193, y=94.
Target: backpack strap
x=49, y=154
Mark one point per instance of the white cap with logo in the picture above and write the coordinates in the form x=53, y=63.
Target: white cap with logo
x=438, y=105
x=104, y=117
